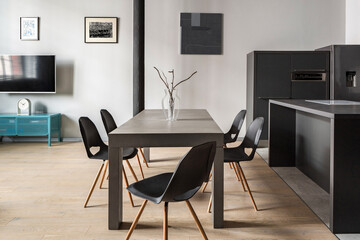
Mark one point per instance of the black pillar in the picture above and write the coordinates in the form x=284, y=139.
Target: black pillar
x=139, y=57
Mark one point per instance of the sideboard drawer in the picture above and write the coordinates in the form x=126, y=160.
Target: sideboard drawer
x=7, y=120
x=7, y=126
x=32, y=121
x=7, y=130
x=32, y=126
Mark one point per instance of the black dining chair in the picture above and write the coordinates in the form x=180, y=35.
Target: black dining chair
x=91, y=138
x=233, y=133
x=230, y=137
x=181, y=185
x=110, y=125
x=238, y=154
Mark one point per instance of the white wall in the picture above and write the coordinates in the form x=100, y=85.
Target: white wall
x=352, y=22
x=101, y=74
x=89, y=76
x=220, y=84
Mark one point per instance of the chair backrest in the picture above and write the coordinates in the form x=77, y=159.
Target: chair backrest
x=252, y=136
x=236, y=125
x=108, y=120
x=190, y=173
x=90, y=135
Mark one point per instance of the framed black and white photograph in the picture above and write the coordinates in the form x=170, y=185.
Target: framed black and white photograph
x=29, y=28
x=101, y=29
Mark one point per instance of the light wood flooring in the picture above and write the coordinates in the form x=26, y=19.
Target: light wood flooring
x=42, y=191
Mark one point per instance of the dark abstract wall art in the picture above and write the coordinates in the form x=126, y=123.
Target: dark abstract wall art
x=201, y=33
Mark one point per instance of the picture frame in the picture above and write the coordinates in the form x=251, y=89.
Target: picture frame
x=29, y=28
x=201, y=33
x=101, y=30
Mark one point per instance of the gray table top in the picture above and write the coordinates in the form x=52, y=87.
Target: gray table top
x=330, y=111
x=152, y=121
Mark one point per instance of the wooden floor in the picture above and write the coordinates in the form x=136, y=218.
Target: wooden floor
x=42, y=191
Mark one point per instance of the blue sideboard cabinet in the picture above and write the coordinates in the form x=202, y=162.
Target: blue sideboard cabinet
x=43, y=124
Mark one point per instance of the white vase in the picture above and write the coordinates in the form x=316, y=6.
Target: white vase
x=171, y=105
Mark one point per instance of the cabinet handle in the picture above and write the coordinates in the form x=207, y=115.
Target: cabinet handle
x=38, y=121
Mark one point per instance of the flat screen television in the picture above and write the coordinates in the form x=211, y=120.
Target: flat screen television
x=27, y=74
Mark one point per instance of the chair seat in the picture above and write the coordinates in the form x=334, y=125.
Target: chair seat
x=103, y=154
x=235, y=155
x=151, y=188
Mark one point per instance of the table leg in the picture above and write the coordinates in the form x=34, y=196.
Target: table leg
x=218, y=189
x=115, y=188
x=146, y=152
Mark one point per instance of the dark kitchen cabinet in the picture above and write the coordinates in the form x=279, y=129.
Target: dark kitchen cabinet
x=272, y=74
x=312, y=60
x=345, y=69
x=284, y=75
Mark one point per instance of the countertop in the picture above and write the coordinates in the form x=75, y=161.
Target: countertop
x=329, y=111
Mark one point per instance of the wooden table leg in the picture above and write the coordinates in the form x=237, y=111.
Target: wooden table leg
x=115, y=188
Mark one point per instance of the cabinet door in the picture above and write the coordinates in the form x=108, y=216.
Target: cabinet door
x=310, y=61
x=262, y=110
x=32, y=126
x=273, y=75
x=7, y=126
x=309, y=90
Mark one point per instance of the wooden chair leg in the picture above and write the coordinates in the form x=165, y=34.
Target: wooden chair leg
x=93, y=185
x=136, y=220
x=210, y=203
x=131, y=170
x=206, y=183
x=141, y=171
x=198, y=224
x=236, y=173
x=127, y=184
x=236, y=168
x=247, y=186
x=104, y=173
x=229, y=163
x=165, y=225
x=204, y=187
x=143, y=156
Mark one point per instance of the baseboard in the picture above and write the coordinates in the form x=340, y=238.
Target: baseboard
x=239, y=139
x=263, y=144
x=36, y=139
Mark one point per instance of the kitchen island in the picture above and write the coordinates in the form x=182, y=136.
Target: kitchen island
x=323, y=141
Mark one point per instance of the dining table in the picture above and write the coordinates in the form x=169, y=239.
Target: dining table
x=149, y=128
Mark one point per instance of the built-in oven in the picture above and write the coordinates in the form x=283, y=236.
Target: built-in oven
x=309, y=84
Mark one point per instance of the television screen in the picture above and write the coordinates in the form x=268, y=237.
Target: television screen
x=27, y=73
